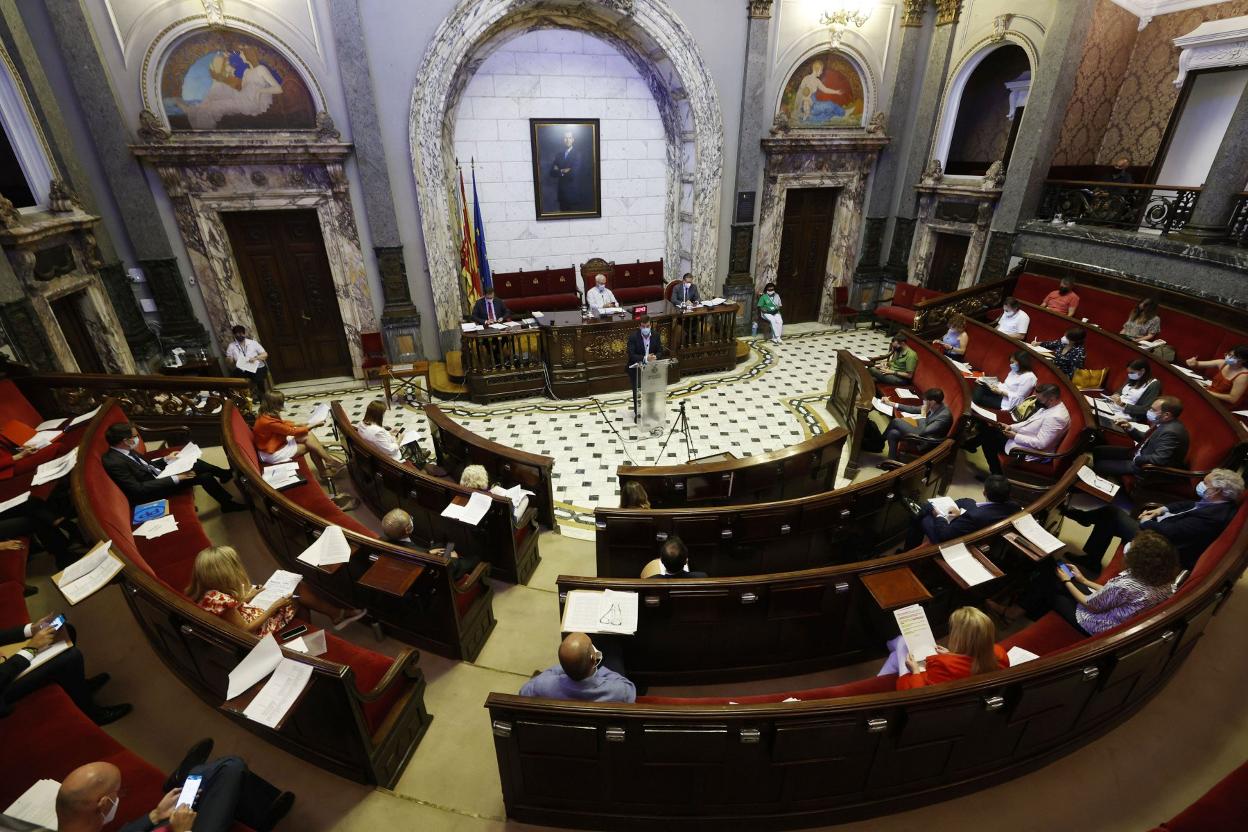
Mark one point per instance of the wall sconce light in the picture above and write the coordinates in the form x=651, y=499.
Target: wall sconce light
x=841, y=13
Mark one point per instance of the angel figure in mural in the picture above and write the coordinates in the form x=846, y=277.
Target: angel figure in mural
x=240, y=85
x=824, y=96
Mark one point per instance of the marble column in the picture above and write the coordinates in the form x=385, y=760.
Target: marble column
x=111, y=139
x=1038, y=133
x=926, y=115
x=900, y=98
x=1224, y=183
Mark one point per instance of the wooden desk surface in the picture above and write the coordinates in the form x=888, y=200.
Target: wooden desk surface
x=392, y=576
x=895, y=588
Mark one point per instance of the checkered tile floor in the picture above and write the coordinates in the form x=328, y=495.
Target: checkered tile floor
x=773, y=399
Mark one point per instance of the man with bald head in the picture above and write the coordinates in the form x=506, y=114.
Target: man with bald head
x=580, y=675
x=88, y=799
x=397, y=527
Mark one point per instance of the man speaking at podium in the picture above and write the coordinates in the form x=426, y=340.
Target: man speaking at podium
x=644, y=346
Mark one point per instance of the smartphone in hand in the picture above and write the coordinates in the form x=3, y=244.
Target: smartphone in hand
x=190, y=790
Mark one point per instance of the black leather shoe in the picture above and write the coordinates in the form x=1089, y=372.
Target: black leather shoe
x=29, y=590
x=197, y=755
x=97, y=681
x=232, y=506
x=226, y=475
x=108, y=714
x=280, y=808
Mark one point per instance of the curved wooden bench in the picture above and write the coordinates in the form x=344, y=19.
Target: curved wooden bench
x=363, y=713
x=507, y=544
x=408, y=590
x=808, y=467
x=778, y=765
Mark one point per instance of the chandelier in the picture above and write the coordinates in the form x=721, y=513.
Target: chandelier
x=839, y=14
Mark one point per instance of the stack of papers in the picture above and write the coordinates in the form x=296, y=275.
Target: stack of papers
x=281, y=584
x=51, y=424
x=988, y=381
x=288, y=679
x=14, y=502
x=37, y=805
x=158, y=527
x=54, y=469
x=471, y=327
x=181, y=462
x=88, y=574
x=247, y=365
x=882, y=406
x=963, y=366
x=912, y=621
x=1018, y=655
x=511, y=324
x=313, y=643
x=608, y=611
x=518, y=495
x=319, y=415
x=1148, y=345
x=985, y=412
x=400, y=368
x=53, y=650
x=713, y=302
x=1037, y=534
x=478, y=505
x=945, y=506
x=78, y=420
x=281, y=475
x=965, y=564
x=497, y=326
x=409, y=436
x=904, y=393
x=42, y=439
x=1243, y=413
x=539, y=315
x=330, y=548
x=1098, y=482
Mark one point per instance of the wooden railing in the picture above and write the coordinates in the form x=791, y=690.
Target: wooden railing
x=849, y=401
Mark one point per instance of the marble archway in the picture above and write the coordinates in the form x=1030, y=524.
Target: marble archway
x=654, y=40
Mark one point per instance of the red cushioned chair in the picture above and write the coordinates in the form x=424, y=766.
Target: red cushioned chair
x=901, y=311
x=1225, y=806
x=549, y=290
x=375, y=357
x=842, y=312
x=638, y=282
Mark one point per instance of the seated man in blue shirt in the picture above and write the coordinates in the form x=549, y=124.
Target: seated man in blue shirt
x=580, y=675
x=971, y=516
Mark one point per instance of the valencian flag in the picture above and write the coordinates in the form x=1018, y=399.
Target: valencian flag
x=469, y=277
x=483, y=262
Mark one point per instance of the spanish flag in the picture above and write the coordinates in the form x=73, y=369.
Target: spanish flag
x=469, y=276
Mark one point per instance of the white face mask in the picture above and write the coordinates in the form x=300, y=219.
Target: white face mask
x=133, y=443
x=1135, y=376
x=1065, y=341
x=112, y=811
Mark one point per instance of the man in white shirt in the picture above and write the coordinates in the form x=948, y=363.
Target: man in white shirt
x=600, y=296
x=1041, y=431
x=1014, y=321
x=252, y=357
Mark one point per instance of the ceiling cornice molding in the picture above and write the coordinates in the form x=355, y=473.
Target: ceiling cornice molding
x=1146, y=10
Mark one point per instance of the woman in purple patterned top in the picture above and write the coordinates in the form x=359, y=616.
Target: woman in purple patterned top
x=1152, y=563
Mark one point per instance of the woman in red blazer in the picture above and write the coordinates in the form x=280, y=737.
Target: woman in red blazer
x=972, y=649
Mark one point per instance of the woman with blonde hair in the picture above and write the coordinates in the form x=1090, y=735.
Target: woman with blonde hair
x=972, y=650
x=278, y=440
x=475, y=476
x=220, y=584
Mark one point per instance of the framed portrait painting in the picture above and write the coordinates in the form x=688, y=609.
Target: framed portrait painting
x=566, y=181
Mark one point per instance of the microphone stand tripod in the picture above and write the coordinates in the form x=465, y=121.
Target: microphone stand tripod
x=681, y=424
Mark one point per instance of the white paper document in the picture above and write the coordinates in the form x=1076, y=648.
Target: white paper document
x=313, y=643
x=1149, y=345
x=54, y=469
x=453, y=511
x=279, y=693
x=587, y=611
x=157, y=527
x=1018, y=655
x=330, y=548
x=15, y=502
x=519, y=497
x=257, y=664
x=478, y=505
x=1243, y=413
x=963, y=366
x=282, y=474
x=1139, y=427
x=1098, y=482
x=497, y=326
x=247, y=365
x=1040, y=349
x=51, y=424
x=985, y=412
x=89, y=573
x=1037, y=534
x=183, y=462
x=37, y=804
x=965, y=564
x=882, y=406
x=409, y=436
x=471, y=327
x=713, y=302
x=946, y=507
x=53, y=650
x=42, y=439
x=281, y=584
x=78, y=420
x=539, y=315
x=912, y=621
x=904, y=393
x=319, y=415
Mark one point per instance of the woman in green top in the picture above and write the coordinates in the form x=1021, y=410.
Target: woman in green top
x=769, y=309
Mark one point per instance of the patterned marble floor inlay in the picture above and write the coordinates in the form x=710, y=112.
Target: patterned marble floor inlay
x=772, y=399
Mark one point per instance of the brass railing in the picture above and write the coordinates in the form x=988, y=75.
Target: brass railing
x=1163, y=208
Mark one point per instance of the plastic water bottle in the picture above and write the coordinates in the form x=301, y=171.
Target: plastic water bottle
x=754, y=329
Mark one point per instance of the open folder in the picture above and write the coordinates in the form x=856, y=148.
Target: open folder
x=88, y=574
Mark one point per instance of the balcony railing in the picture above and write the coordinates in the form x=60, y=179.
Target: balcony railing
x=1238, y=226
x=1162, y=208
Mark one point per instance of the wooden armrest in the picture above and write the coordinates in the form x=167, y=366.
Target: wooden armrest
x=1172, y=472
x=473, y=578
x=1023, y=453
x=408, y=657
x=1029, y=487
x=151, y=430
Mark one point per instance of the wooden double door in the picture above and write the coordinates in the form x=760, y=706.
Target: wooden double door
x=285, y=271
x=803, y=264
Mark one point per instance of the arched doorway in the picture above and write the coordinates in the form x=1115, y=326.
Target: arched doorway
x=989, y=112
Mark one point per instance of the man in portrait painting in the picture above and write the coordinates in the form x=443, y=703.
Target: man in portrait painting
x=565, y=168
x=568, y=168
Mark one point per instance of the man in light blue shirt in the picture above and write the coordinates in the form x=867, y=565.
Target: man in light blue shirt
x=580, y=675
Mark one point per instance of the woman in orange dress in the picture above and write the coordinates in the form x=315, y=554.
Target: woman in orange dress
x=972, y=650
x=1230, y=382
x=220, y=584
x=278, y=440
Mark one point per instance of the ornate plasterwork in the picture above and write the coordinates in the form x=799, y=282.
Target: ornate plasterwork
x=1216, y=43
x=204, y=178
x=948, y=11
x=760, y=8
x=654, y=39
x=912, y=13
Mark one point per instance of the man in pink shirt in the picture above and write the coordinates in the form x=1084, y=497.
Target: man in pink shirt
x=1063, y=299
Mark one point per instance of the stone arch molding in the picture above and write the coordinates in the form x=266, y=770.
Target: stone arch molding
x=654, y=39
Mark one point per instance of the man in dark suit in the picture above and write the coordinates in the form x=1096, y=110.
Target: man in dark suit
x=686, y=292
x=568, y=168
x=971, y=516
x=490, y=309
x=139, y=478
x=1190, y=525
x=644, y=346
x=674, y=557
x=934, y=420
x=1165, y=446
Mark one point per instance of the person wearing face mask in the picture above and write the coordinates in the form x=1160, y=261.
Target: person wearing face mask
x=932, y=425
x=1013, y=321
x=600, y=297
x=644, y=346
x=581, y=675
x=955, y=339
x=139, y=477
x=1143, y=324
x=1191, y=525
x=1063, y=299
x=1010, y=391
x=896, y=369
x=1230, y=382
x=250, y=354
x=1166, y=445
x=229, y=793
x=1068, y=352
x=1041, y=431
x=1139, y=391
x=769, y=306
x=686, y=293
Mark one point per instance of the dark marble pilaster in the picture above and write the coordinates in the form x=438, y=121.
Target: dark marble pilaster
x=926, y=112
x=754, y=115
x=899, y=251
x=178, y=324
x=997, y=255
x=1225, y=181
x=31, y=345
x=143, y=344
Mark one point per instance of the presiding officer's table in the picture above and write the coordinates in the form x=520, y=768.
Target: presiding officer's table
x=585, y=357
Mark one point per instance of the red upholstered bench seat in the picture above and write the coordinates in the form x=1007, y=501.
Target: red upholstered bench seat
x=901, y=310
x=549, y=290
x=638, y=282
x=1225, y=806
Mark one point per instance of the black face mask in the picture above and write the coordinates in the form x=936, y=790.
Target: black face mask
x=1063, y=290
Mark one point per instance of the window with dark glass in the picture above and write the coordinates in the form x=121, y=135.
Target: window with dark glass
x=13, y=184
